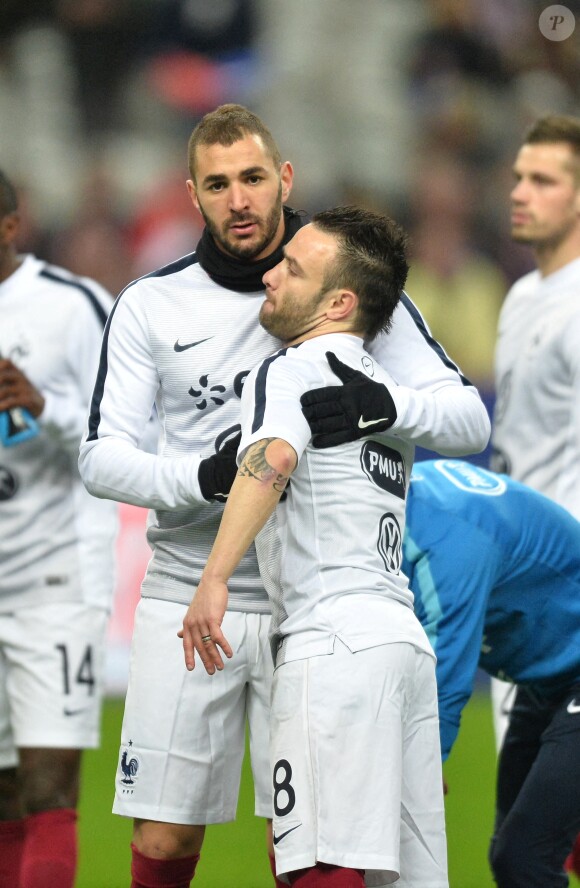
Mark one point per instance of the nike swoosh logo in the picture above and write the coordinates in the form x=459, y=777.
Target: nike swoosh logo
x=363, y=424
x=74, y=711
x=181, y=348
x=279, y=838
x=573, y=707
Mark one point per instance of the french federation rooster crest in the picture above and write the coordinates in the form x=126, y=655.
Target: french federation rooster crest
x=129, y=767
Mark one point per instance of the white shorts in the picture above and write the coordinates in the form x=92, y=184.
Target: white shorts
x=51, y=678
x=183, y=735
x=356, y=764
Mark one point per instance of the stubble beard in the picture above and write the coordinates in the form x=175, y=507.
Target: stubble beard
x=541, y=242
x=291, y=321
x=521, y=238
x=251, y=250
x=520, y=235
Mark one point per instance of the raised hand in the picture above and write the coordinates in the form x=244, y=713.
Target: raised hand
x=16, y=390
x=340, y=413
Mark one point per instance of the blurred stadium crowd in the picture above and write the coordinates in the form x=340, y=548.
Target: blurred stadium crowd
x=416, y=107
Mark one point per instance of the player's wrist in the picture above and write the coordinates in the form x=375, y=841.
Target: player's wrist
x=193, y=486
x=36, y=404
x=49, y=413
x=213, y=574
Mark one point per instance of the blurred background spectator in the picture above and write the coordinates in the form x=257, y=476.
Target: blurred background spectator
x=454, y=281
x=416, y=107
x=413, y=106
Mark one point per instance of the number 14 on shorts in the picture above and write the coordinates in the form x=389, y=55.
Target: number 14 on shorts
x=76, y=675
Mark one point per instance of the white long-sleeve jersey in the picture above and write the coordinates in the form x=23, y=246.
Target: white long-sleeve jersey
x=331, y=553
x=56, y=541
x=536, y=428
x=178, y=339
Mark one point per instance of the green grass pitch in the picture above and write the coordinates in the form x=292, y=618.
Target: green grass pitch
x=234, y=854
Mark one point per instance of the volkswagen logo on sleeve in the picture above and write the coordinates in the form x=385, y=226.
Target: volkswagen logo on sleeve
x=8, y=484
x=389, y=543
x=384, y=467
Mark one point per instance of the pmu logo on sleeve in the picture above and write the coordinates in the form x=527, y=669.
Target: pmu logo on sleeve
x=384, y=467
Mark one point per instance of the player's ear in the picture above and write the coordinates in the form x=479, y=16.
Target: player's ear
x=192, y=191
x=9, y=226
x=343, y=305
x=286, y=178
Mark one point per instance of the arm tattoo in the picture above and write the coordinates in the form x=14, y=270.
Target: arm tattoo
x=257, y=466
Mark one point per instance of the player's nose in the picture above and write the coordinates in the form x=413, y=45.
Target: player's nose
x=266, y=280
x=519, y=192
x=238, y=197
x=271, y=277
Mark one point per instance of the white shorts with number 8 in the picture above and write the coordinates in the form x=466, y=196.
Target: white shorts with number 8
x=356, y=764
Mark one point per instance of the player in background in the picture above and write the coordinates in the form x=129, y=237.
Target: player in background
x=56, y=553
x=185, y=338
x=536, y=425
x=495, y=570
x=354, y=732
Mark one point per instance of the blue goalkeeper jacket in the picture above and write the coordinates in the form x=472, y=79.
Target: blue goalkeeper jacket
x=495, y=570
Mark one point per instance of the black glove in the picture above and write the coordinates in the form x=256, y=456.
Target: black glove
x=216, y=473
x=340, y=413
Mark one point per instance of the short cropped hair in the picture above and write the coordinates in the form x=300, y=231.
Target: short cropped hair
x=8, y=196
x=371, y=261
x=557, y=128
x=226, y=125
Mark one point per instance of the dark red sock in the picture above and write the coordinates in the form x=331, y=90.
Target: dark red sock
x=50, y=849
x=572, y=864
x=149, y=872
x=12, y=845
x=325, y=875
x=277, y=882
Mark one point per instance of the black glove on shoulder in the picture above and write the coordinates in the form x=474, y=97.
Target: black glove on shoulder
x=340, y=413
x=216, y=473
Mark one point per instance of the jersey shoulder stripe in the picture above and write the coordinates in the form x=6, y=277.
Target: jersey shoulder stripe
x=95, y=412
x=432, y=343
x=164, y=271
x=171, y=268
x=260, y=387
x=82, y=287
